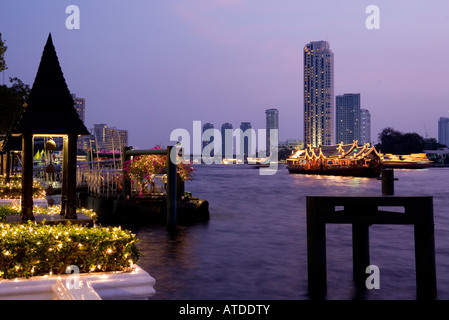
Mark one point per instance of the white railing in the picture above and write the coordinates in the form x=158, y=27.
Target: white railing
x=106, y=182
x=102, y=178
x=47, y=179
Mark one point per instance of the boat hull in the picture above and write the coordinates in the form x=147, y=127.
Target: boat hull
x=352, y=172
x=406, y=165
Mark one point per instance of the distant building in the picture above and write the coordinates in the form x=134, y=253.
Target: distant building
x=100, y=136
x=347, y=118
x=365, y=126
x=116, y=139
x=443, y=131
x=245, y=140
x=109, y=138
x=80, y=106
x=272, y=123
x=318, y=94
x=86, y=142
x=292, y=144
x=226, y=140
x=207, y=126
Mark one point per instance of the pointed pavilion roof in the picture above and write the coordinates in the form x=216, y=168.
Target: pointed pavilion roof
x=50, y=106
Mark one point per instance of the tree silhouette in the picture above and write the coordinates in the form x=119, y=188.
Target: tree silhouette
x=3, y=48
x=395, y=142
x=12, y=99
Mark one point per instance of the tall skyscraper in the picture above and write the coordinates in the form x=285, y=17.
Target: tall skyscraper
x=272, y=123
x=80, y=107
x=318, y=94
x=207, y=126
x=226, y=140
x=365, y=126
x=245, y=139
x=348, y=118
x=443, y=131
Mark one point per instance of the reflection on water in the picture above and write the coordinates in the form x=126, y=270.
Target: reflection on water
x=254, y=246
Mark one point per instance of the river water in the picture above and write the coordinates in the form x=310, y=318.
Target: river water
x=255, y=244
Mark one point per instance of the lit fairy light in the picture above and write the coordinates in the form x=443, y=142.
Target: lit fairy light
x=54, y=238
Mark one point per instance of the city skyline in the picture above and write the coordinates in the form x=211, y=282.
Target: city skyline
x=155, y=67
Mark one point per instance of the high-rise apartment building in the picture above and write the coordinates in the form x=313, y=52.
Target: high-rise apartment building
x=245, y=140
x=272, y=123
x=115, y=139
x=100, y=136
x=443, y=131
x=109, y=138
x=365, y=126
x=207, y=126
x=80, y=107
x=227, y=140
x=318, y=94
x=347, y=118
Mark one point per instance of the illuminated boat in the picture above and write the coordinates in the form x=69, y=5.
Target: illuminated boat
x=410, y=161
x=258, y=162
x=340, y=160
x=232, y=161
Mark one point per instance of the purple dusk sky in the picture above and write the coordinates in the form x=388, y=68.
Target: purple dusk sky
x=153, y=66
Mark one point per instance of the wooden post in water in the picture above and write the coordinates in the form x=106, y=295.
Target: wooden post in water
x=424, y=231
x=361, y=212
x=388, y=182
x=316, y=251
x=126, y=182
x=360, y=252
x=171, y=190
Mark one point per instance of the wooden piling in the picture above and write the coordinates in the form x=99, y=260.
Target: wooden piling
x=171, y=190
x=388, y=179
x=360, y=251
x=361, y=212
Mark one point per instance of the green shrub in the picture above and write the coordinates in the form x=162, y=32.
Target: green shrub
x=35, y=249
x=7, y=211
x=53, y=210
x=13, y=189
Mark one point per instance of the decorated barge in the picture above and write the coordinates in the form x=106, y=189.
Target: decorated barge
x=340, y=160
x=410, y=161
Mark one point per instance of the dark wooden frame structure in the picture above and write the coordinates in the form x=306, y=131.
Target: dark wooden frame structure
x=361, y=212
x=128, y=152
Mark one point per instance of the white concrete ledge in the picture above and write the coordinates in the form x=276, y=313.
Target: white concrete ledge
x=134, y=285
